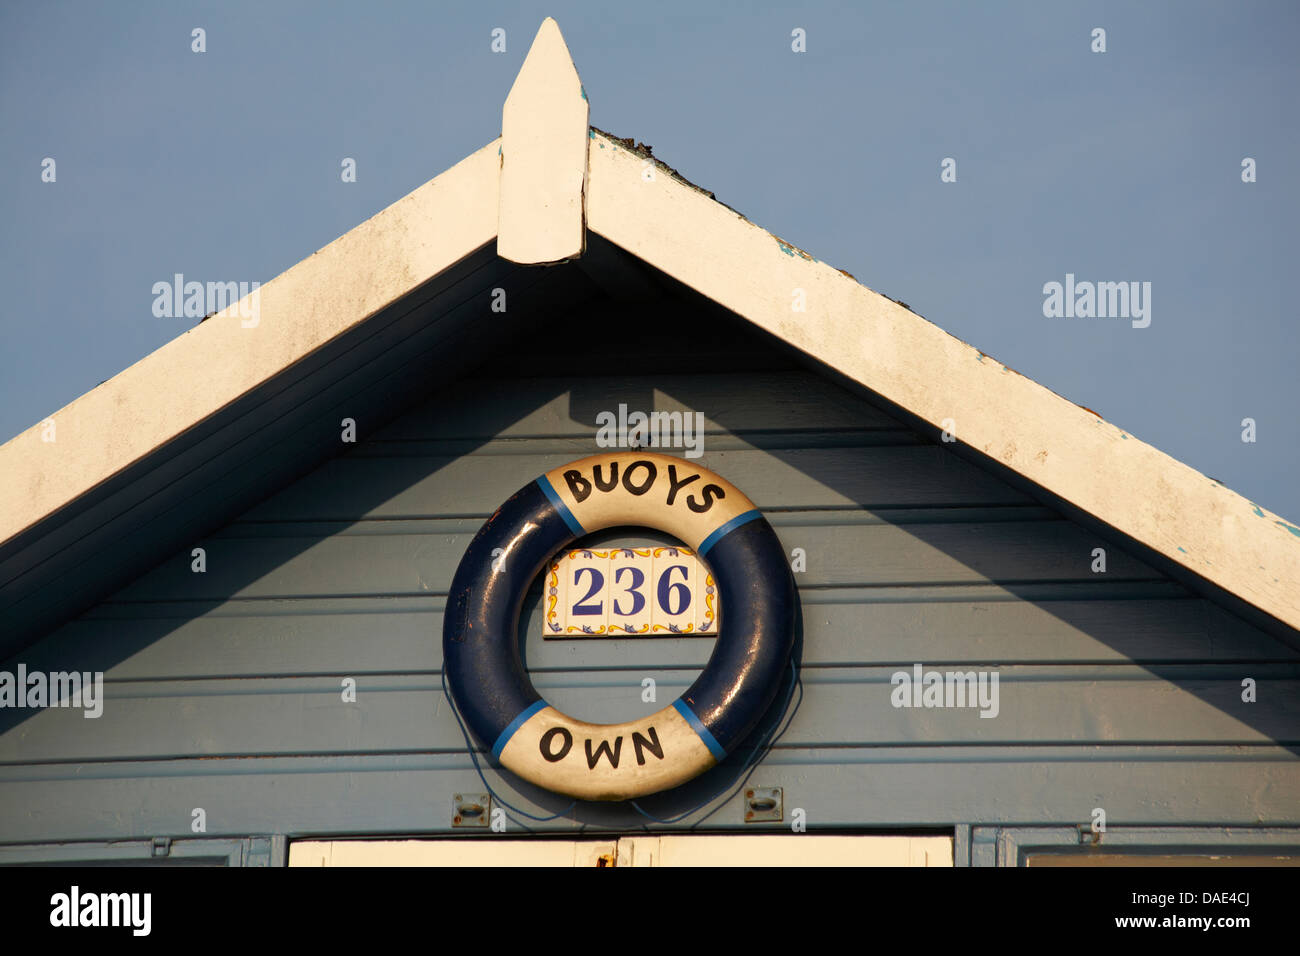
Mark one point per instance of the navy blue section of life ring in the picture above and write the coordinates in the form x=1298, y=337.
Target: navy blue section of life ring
x=481, y=660
x=757, y=596
x=480, y=650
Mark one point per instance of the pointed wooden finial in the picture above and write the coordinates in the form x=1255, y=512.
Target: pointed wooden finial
x=543, y=157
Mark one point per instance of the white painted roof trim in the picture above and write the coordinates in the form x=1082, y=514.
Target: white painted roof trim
x=1062, y=447
x=219, y=360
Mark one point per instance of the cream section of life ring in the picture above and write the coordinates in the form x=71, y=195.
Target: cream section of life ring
x=486, y=676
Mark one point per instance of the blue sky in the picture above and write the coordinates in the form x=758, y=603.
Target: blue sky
x=1115, y=166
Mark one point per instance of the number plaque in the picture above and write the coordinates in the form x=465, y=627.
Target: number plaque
x=628, y=592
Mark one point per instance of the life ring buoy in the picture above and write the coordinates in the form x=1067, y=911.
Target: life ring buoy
x=485, y=674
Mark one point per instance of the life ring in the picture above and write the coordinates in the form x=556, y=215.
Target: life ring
x=485, y=674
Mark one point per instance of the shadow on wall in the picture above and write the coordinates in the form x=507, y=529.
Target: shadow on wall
x=914, y=556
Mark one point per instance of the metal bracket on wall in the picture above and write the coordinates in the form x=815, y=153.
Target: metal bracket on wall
x=763, y=804
x=471, y=810
x=162, y=846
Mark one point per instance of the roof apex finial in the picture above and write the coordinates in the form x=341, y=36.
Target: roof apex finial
x=548, y=58
x=543, y=156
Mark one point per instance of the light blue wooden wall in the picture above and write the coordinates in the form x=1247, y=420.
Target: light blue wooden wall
x=1119, y=690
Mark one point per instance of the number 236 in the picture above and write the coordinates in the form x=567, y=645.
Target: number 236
x=674, y=597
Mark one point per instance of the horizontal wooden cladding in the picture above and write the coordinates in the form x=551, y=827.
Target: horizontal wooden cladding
x=355, y=487
x=842, y=707
x=965, y=624
x=845, y=787
x=842, y=556
x=550, y=407
x=569, y=448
